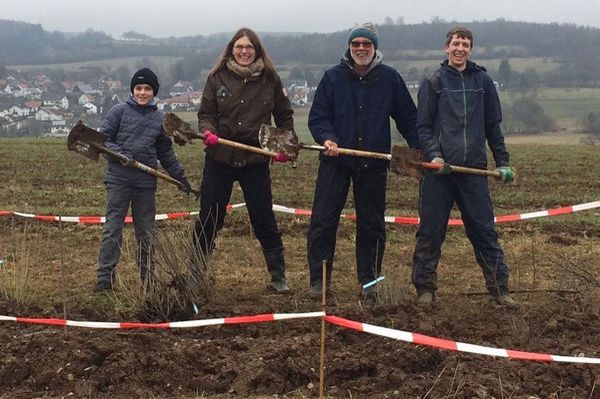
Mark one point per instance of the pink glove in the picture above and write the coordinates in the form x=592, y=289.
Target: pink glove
x=210, y=138
x=280, y=157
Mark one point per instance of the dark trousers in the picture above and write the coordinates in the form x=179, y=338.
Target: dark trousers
x=215, y=193
x=331, y=191
x=143, y=210
x=472, y=197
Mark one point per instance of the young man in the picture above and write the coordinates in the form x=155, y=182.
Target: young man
x=459, y=111
x=134, y=128
x=351, y=109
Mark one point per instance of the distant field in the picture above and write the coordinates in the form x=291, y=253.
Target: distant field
x=540, y=64
x=567, y=106
x=162, y=63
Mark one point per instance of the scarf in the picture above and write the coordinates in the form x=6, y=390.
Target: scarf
x=253, y=70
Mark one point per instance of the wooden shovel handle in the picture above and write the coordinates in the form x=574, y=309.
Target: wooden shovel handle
x=460, y=169
x=235, y=144
x=138, y=165
x=356, y=153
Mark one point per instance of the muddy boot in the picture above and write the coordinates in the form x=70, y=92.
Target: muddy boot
x=276, y=267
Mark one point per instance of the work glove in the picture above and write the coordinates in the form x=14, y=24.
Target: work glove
x=281, y=157
x=445, y=169
x=185, y=186
x=506, y=174
x=210, y=139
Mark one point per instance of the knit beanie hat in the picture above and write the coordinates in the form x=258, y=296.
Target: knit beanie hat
x=145, y=76
x=366, y=30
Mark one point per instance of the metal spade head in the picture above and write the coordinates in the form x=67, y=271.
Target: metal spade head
x=85, y=141
x=280, y=140
x=405, y=161
x=180, y=130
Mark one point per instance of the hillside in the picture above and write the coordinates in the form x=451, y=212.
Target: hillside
x=23, y=43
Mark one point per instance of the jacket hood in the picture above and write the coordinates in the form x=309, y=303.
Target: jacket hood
x=349, y=62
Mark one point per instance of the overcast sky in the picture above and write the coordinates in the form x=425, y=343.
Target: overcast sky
x=163, y=18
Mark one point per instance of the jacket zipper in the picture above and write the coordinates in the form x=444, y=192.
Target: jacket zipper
x=465, y=117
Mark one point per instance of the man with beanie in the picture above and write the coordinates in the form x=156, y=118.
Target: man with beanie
x=134, y=129
x=351, y=109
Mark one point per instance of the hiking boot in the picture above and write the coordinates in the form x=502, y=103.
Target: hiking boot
x=426, y=298
x=279, y=286
x=369, y=293
x=103, y=285
x=315, y=291
x=506, y=300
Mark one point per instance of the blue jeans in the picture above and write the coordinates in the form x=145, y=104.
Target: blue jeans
x=331, y=191
x=143, y=210
x=472, y=197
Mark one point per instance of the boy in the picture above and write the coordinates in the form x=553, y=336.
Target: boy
x=134, y=128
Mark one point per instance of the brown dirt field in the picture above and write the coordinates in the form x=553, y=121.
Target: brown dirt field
x=282, y=358
x=554, y=272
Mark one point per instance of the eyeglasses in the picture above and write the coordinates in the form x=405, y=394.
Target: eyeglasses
x=240, y=47
x=364, y=44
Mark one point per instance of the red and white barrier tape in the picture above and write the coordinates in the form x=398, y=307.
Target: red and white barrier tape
x=304, y=212
x=414, y=338
x=441, y=343
x=175, y=324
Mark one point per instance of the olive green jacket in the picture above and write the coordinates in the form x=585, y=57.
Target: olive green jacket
x=234, y=108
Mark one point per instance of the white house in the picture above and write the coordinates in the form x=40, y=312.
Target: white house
x=90, y=108
x=85, y=99
x=48, y=115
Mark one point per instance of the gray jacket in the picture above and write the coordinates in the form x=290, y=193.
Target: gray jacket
x=137, y=132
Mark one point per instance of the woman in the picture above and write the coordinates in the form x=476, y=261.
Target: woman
x=242, y=92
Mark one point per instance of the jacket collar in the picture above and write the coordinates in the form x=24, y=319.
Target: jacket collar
x=152, y=105
x=349, y=62
x=471, y=67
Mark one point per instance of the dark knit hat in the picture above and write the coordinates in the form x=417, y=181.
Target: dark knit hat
x=145, y=76
x=366, y=30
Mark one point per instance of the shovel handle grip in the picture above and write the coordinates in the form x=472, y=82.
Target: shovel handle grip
x=356, y=153
x=460, y=169
x=235, y=144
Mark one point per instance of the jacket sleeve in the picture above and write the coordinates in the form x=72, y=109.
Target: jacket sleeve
x=320, y=117
x=426, y=115
x=282, y=112
x=493, y=117
x=166, y=156
x=207, y=114
x=110, y=127
x=405, y=113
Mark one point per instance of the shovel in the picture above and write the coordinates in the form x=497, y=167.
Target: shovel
x=286, y=142
x=182, y=133
x=404, y=160
x=90, y=143
x=409, y=161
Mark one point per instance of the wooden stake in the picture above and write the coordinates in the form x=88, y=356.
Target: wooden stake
x=324, y=309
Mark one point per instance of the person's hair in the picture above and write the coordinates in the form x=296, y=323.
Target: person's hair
x=259, y=50
x=460, y=32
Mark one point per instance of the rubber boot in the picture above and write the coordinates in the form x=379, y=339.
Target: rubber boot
x=276, y=266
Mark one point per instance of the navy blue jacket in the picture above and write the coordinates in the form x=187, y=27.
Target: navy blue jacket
x=137, y=132
x=355, y=111
x=458, y=112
